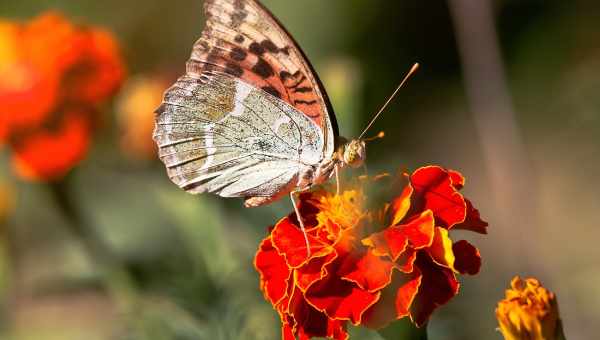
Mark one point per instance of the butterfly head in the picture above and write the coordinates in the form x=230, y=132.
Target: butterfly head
x=354, y=153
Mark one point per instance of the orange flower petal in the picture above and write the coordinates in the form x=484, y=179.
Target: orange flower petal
x=101, y=73
x=368, y=271
x=49, y=155
x=473, y=221
x=289, y=241
x=28, y=95
x=400, y=205
x=310, y=322
x=287, y=332
x=441, y=249
x=419, y=231
x=339, y=299
x=434, y=190
x=274, y=273
x=405, y=262
x=438, y=286
x=457, y=179
x=395, y=300
x=313, y=271
x=390, y=242
x=468, y=259
x=406, y=293
x=51, y=42
x=393, y=240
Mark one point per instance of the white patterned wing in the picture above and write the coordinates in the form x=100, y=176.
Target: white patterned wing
x=218, y=134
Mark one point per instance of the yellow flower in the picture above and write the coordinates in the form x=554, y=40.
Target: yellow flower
x=529, y=311
x=345, y=209
x=138, y=100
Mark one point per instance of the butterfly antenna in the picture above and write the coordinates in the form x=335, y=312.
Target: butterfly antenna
x=380, y=135
x=408, y=75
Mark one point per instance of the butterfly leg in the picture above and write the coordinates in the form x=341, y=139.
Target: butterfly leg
x=337, y=179
x=299, y=217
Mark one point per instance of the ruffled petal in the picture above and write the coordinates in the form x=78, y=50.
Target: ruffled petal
x=400, y=206
x=438, y=286
x=468, y=259
x=393, y=241
x=473, y=221
x=395, y=300
x=50, y=154
x=340, y=299
x=314, y=270
x=433, y=189
x=274, y=272
x=456, y=178
x=419, y=231
x=441, y=249
x=405, y=262
x=368, y=271
x=289, y=241
x=310, y=322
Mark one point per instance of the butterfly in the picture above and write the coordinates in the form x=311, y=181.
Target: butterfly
x=250, y=118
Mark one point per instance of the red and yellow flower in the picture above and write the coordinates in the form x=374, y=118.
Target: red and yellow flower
x=53, y=77
x=529, y=311
x=369, y=266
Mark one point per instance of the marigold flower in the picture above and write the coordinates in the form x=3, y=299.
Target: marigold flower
x=529, y=311
x=53, y=76
x=369, y=266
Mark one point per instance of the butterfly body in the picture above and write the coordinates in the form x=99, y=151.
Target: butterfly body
x=250, y=117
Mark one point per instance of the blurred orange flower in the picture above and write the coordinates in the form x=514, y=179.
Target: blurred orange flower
x=53, y=76
x=369, y=266
x=529, y=311
x=135, y=109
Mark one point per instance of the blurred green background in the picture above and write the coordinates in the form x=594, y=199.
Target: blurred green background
x=508, y=94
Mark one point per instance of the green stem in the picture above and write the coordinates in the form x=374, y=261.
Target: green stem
x=77, y=224
x=560, y=334
x=115, y=278
x=403, y=330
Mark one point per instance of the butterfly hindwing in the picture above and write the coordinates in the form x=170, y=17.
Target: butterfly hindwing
x=218, y=134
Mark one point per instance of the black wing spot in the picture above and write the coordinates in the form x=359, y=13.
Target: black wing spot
x=269, y=46
x=160, y=110
x=238, y=54
x=272, y=91
x=298, y=82
x=263, y=69
x=204, y=46
x=213, y=56
x=234, y=70
x=284, y=75
x=239, y=39
x=256, y=48
x=303, y=89
x=305, y=102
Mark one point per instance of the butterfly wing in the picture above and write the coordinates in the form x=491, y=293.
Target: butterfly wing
x=244, y=39
x=219, y=134
x=250, y=114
